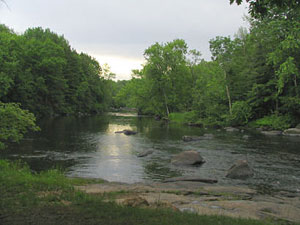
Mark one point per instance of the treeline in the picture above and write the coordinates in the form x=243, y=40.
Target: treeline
x=39, y=70
x=41, y=75
x=252, y=77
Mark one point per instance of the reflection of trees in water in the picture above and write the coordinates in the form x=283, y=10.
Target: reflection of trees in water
x=158, y=171
x=70, y=134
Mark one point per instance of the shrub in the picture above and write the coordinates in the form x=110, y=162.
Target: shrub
x=274, y=122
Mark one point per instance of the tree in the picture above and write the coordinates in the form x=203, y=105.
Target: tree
x=271, y=8
x=168, y=74
x=14, y=123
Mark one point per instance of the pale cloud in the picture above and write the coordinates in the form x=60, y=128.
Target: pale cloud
x=123, y=29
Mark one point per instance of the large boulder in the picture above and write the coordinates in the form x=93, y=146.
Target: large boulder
x=240, y=170
x=187, y=158
x=294, y=132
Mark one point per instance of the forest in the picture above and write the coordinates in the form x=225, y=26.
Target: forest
x=252, y=78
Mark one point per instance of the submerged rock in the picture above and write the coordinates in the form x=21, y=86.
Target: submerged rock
x=187, y=158
x=246, y=137
x=293, y=132
x=145, y=153
x=231, y=129
x=240, y=170
x=197, y=138
x=126, y=132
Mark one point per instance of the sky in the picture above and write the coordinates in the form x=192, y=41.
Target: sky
x=117, y=32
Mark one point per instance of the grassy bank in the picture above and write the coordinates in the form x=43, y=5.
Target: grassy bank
x=49, y=198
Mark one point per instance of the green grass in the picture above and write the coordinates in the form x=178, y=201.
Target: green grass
x=49, y=198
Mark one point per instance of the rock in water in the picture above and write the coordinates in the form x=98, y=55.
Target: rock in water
x=187, y=158
x=197, y=138
x=126, y=132
x=231, y=129
x=192, y=179
x=293, y=132
x=129, y=132
x=240, y=170
x=145, y=153
x=272, y=133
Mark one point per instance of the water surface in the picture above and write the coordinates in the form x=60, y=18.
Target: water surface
x=89, y=147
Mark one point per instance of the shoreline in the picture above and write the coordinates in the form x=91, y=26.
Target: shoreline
x=202, y=199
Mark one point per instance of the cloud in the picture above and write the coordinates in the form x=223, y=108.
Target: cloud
x=126, y=28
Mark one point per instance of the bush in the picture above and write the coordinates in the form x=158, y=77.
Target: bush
x=241, y=112
x=275, y=122
x=14, y=123
x=185, y=117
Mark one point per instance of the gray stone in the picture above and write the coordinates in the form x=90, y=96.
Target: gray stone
x=126, y=132
x=192, y=179
x=240, y=170
x=246, y=137
x=231, y=129
x=187, y=158
x=197, y=138
x=272, y=133
x=293, y=132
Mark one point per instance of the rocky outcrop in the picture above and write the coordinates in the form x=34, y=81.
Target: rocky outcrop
x=197, y=138
x=235, y=201
x=240, y=170
x=145, y=153
x=126, y=132
x=187, y=158
x=293, y=132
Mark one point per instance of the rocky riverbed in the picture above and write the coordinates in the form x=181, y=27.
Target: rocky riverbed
x=196, y=197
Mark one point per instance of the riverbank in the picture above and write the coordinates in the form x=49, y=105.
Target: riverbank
x=50, y=198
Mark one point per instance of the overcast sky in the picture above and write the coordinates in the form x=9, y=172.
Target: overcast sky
x=118, y=31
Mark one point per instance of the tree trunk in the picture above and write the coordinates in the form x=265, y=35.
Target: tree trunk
x=166, y=103
x=228, y=94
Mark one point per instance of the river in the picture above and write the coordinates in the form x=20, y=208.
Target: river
x=89, y=147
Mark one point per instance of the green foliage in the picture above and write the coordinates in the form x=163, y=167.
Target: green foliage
x=241, y=113
x=14, y=123
x=185, y=117
x=263, y=8
x=40, y=70
x=274, y=122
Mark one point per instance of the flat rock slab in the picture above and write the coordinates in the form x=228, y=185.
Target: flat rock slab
x=233, y=201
